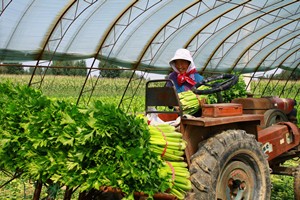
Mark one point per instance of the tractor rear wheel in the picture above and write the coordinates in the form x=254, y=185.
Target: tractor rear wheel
x=230, y=165
x=297, y=183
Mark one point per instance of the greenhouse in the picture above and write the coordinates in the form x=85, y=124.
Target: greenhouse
x=86, y=50
x=259, y=38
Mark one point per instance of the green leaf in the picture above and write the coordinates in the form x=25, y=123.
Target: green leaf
x=65, y=140
x=71, y=165
x=55, y=178
x=66, y=119
x=91, y=121
x=89, y=136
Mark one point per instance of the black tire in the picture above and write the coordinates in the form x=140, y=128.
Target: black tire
x=274, y=116
x=231, y=154
x=297, y=183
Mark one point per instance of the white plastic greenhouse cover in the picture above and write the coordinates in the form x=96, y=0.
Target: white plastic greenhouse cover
x=223, y=35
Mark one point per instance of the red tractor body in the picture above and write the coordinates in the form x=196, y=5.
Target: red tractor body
x=243, y=141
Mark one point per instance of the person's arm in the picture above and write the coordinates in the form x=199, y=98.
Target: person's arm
x=168, y=83
x=173, y=77
x=198, y=77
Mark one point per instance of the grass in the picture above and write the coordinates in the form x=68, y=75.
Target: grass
x=281, y=88
x=21, y=188
x=283, y=186
x=70, y=87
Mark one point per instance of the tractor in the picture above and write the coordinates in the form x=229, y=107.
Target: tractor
x=232, y=148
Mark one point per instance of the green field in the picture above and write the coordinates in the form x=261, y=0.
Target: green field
x=111, y=90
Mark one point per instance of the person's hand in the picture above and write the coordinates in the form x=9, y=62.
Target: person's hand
x=177, y=108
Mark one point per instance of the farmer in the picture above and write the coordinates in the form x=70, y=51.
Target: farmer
x=185, y=75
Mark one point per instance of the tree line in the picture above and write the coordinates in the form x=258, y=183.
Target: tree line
x=66, y=68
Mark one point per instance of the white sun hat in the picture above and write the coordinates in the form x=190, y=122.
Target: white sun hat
x=182, y=54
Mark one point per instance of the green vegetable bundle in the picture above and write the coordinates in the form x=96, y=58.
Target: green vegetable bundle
x=168, y=143
x=85, y=147
x=191, y=102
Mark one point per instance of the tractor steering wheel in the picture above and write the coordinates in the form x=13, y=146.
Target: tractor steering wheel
x=229, y=80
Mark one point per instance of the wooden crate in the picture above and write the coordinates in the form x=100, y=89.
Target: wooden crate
x=222, y=110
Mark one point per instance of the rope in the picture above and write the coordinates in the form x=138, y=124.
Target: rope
x=165, y=148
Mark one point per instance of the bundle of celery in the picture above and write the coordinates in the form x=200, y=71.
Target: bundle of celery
x=190, y=101
x=167, y=143
x=179, y=175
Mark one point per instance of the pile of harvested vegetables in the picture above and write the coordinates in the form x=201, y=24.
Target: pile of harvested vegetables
x=57, y=142
x=168, y=144
x=192, y=102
